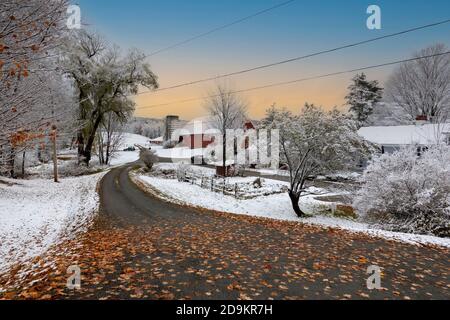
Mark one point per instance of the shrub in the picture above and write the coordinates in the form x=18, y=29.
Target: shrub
x=148, y=157
x=407, y=193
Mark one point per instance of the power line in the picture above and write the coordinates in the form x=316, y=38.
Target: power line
x=220, y=28
x=299, y=80
x=297, y=58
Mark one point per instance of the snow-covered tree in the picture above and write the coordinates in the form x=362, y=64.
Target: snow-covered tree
x=148, y=157
x=315, y=142
x=227, y=111
x=148, y=127
x=362, y=97
x=104, y=80
x=409, y=193
x=387, y=114
x=30, y=34
x=422, y=87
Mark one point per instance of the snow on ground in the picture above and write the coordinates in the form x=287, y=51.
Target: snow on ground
x=129, y=140
x=270, y=172
x=35, y=214
x=179, y=153
x=275, y=206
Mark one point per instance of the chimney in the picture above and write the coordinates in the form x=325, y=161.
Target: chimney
x=421, y=120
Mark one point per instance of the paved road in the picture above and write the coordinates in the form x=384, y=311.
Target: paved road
x=145, y=248
x=195, y=254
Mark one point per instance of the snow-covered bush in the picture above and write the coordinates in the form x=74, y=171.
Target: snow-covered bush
x=408, y=193
x=182, y=168
x=148, y=157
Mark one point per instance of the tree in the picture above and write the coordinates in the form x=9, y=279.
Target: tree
x=109, y=138
x=422, y=87
x=407, y=193
x=315, y=142
x=227, y=111
x=362, y=97
x=148, y=157
x=104, y=80
x=30, y=33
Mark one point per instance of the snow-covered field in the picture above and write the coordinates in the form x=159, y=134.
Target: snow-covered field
x=275, y=206
x=129, y=140
x=35, y=214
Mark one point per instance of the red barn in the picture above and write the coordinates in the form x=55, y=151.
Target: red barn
x=199, y=133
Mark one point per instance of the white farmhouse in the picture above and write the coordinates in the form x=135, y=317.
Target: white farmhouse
x=391, y=138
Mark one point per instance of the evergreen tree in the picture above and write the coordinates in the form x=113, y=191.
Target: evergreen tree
x=363, y=96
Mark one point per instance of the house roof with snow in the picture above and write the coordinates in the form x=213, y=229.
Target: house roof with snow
x=406, y=135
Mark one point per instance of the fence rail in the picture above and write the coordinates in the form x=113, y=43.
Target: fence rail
x=220, y=185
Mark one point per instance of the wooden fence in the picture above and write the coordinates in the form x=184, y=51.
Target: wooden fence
x=219, y=185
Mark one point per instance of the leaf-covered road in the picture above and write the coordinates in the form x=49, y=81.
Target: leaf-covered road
x=144, y=248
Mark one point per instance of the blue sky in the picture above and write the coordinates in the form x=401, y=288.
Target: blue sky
x=298, y=28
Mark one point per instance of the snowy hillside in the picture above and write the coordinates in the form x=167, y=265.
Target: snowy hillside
x=35, y=214
x=148, y=127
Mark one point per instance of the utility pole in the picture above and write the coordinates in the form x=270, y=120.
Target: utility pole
x=55, y=158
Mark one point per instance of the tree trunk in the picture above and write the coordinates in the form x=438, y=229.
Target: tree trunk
x=55, y=156
x=295, y=204
x=80, y=140
x=107, y=152
x=12, y=163
x=101, y=155
x=224, y=154
x=23, y=163
x=90, y=142
x=100, y=152
x=109, y=134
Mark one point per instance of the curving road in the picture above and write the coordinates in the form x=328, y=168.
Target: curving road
x=144, y=248
x=171, y=252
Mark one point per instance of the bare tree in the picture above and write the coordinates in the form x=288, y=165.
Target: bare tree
x=422, y=87
x=110, y=138
x=227, y=111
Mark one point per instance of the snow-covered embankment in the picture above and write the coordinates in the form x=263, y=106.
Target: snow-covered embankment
x=36, y=214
